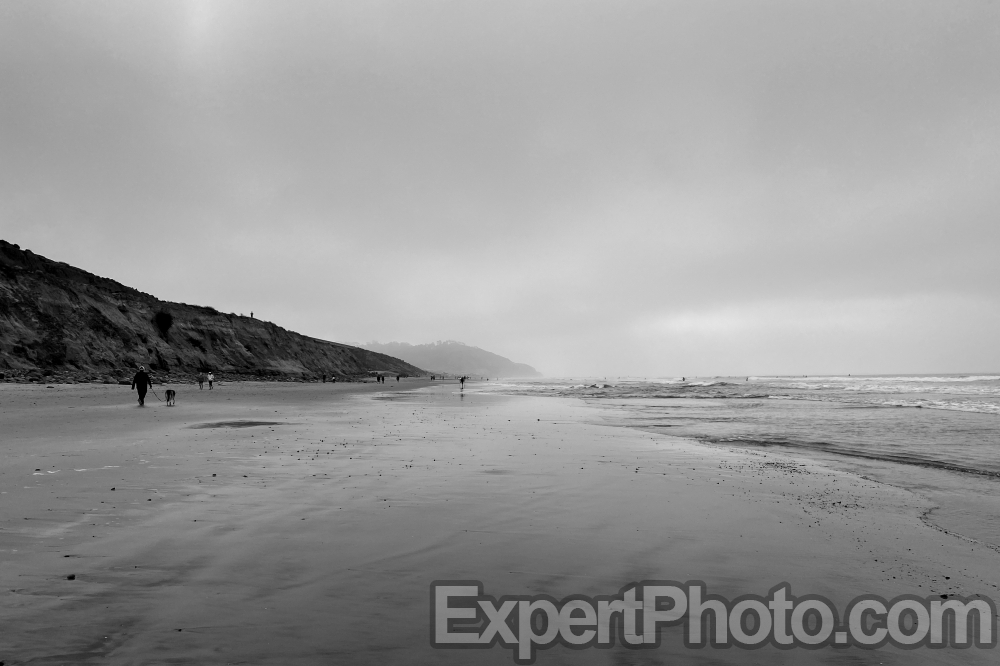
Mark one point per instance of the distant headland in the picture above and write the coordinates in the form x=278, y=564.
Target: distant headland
x=454, y=358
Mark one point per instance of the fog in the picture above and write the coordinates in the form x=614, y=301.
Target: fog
x=592, y=188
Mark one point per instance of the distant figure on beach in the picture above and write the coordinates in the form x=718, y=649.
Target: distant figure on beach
x=461, y=380
x=324, y=378
x=211, y=380
x=201, y=381
x=397, y=379
x=140, y=383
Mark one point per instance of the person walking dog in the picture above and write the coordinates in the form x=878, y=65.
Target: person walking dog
x=140, y=383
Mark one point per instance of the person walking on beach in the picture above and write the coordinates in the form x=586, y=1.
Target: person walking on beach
x=140, y=383
x=201, y=381
x=461, y=380
x=211, y=379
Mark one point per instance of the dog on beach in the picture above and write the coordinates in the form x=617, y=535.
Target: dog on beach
x=171, y=397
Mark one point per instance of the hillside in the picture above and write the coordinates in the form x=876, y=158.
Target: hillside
x=455, y=358
x=57, y=320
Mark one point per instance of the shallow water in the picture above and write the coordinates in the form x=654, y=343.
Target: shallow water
x=937, y=434
x=950, y=422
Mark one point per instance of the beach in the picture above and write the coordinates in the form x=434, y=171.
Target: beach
x=273, y=523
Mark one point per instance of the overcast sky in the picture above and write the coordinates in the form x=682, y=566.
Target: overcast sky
x=594, y=188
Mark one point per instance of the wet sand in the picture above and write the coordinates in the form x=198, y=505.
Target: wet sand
x=304, y=523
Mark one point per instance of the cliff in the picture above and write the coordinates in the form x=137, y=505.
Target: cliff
x=455, y=358
x=57, y=320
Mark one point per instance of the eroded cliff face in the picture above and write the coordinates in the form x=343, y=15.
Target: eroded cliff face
x=57, y=319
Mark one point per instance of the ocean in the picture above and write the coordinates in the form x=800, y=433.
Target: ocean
x=938, y=435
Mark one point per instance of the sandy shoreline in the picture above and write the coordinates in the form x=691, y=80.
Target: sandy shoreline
x=318, y=537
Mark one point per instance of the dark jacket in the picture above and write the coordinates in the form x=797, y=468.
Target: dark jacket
x=141, y=380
